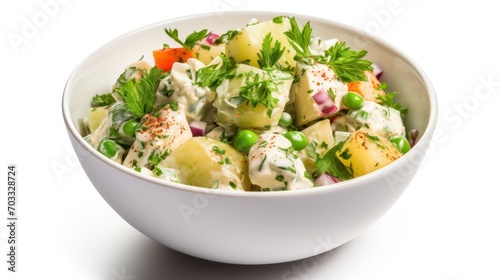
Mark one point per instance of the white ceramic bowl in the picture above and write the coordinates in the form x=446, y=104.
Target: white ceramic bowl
x=237, y=227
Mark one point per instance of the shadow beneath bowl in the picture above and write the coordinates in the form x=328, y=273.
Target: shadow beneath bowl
x=155, y=261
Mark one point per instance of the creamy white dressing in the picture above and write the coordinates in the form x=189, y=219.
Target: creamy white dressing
x=159, y=133
x=274, y=166
x=319, y=46
x=180, y=86
x=378, y=119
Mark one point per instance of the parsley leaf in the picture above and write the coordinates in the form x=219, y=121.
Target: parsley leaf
x=331, y=164
x=191, y=39
x=299, y=39
x=139, y=96
x=388, y=100
x=346, y=63
x=269, y=54
x=100, y=100
x=212, y=76
x=226, y=36
x=259, y=90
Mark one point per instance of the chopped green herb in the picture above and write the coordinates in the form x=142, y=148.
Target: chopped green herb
x=191, y=40
x=346, y=63
x=372, y=138
x=232, y=184
x=100, y=100
x=345, y=154
x=331, y=93
x=174, y=105
x=262, y=144
x=270, y=54
x=280, y=178
x=331, y=164
x=259, y=90
x=139, y=96
x=218, y=150
x=382, y=86
x=156, y=157
x=388, y=100
x=226, y=37
x=288, y=151
x=300, y=39
x=213, y=75
x=157, y=171
x=278, y=19
x=262, y=163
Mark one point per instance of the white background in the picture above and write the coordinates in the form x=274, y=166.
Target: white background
x=446, y=226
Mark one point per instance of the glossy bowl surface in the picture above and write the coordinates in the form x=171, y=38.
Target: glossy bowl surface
x=237, y=227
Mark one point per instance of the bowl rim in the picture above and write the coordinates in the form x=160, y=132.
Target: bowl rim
x=424, y=139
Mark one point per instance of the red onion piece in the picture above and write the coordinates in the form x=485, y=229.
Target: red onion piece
x=325, y=179
x=210, y=39
x=377, y=71
x=198, y=128
x=325, y=103
x=412, y=137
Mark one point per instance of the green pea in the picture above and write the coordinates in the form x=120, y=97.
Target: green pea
x=353, y=100
x=130, y=127
x=401, y=143
x=244, y=140
x=109, y=148
x=286, y=120
x=298, y=139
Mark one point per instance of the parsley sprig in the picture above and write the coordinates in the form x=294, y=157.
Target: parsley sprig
x=213, y=75
x=191, y=40
x=139, y=96
x=347, y=64
x=270, y=54
x=100, y=100
x=259, y=90
x=299, y=39
x=388, y=100
x=331, y=164
x=230, y=34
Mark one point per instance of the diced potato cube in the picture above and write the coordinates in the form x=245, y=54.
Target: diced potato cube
x=365, y=153
x=157, y=136
x=96, y=116
x=320, y=140
x=207, y=53
x=312, y=79
x=232, y=110
x=248, y=42
x=208, y=163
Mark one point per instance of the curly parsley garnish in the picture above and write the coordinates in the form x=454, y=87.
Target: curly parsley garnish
x=139, y=96
x=191, y=40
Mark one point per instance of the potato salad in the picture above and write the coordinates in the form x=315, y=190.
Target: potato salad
x=265, y=107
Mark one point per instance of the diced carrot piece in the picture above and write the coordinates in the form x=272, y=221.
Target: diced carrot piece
x=165, y=58
x=368, y=89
